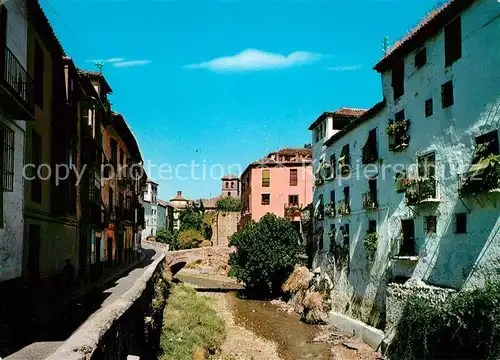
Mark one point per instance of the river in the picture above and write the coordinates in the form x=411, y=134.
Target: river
x=292, y=338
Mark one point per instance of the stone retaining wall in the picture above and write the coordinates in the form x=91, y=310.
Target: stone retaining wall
x=123, y=327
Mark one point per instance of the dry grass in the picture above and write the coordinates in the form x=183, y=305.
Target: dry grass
x=298, y=281
x=191, y=328
x=314, y=309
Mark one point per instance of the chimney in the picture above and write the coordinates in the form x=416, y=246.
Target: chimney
x=179, y=193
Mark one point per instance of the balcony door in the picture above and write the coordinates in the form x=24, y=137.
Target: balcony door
x=408, y=239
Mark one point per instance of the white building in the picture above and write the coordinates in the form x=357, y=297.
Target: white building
x=16, y=106
x=152, y=209
x=437, y=125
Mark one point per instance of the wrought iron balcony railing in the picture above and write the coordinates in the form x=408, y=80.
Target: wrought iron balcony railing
x=421, y=190
x=369, y=201
x=16, y=79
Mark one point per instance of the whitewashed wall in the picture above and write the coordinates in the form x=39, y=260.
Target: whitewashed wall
x=11, y=236
x=445, y=259
x=17, y=29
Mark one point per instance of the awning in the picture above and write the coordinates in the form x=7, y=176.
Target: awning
x=478, y=168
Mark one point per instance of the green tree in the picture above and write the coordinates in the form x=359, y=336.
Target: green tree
x=190, y=239
x=191, y=218
x=168, y=237
x=229, y=204
x=266, y=252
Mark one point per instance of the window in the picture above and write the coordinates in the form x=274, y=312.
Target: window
x=6, y=159
x=453, y=42
x=266, y=178
x=333, y=165
x=227, y=184
x=430, y=224
x=398, y=75
x=408, y=241
x=332, y=197
x=370, y=151
x=346, y=234
x=333, y=231
x=372, y=226
x=38, y=74
x=293, y=177
x=293, y=200
x=122, y=157
x=347, y=199
x=232, y=184
x=460, y=223
x=421, y=58
x=399, y=116
x=372, y=185
x=128, y=203
x=486, y=145
x=428, y=107
x=113, y=144
x=229, y=194
x=344, y=160
x=266, y=199
x=447, y=94
x=110, y=200
x=36, y=160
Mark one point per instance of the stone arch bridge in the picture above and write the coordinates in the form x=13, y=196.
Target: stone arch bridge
x=176, y=260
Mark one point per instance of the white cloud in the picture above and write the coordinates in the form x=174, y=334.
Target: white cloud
x=110, y=60
x=253, y=60
x=344, y=68
x=131, y=63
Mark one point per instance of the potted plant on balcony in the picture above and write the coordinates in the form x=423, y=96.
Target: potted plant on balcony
x=398, y=134
x=487, y=181
x=370, y=243
x=344, y=208
x=368, y=202
x=327, y=168
x=420, y=189
x=330, y=210
x=331, y=235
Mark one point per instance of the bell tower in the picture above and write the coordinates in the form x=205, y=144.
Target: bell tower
x=230, y=186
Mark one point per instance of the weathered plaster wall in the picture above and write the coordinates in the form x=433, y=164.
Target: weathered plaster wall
x=17, y=29
x=224, y=226
x=11, y=235
x=445, y=259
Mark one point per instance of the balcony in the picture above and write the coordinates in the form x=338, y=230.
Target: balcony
x=399, y=138
x=370, y=201
x=94, y=186
x=421, y=190
x=15, y=81
x=319, y=213
x=330, y=210
x=344, y=208
x=98, y=215
x=481, y=178
x=293, y=211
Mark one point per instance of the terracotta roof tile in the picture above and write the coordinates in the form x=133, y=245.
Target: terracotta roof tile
x=431, y=24
x=350, y=113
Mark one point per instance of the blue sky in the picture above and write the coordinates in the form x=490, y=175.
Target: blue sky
x=226, y=82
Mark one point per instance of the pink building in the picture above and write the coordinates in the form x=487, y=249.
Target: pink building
x=280, y=183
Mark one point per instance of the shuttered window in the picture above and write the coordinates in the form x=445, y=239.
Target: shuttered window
x=6, y=158
x=293, y=177
x=266, y=178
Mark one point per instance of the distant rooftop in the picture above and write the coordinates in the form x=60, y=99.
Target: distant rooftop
x=344, y=112
x=229, y=177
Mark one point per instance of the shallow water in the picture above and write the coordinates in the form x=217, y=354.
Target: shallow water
x=293, y=337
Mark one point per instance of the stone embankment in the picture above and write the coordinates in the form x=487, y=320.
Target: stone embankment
x=121, y=328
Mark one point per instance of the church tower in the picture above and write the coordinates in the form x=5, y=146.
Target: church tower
x=230, y=186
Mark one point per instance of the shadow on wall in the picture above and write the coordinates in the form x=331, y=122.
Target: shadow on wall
x=457, y=254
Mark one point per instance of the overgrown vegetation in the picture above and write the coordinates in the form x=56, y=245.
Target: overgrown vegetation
x=191, y=218
x=229, y=204
x=191, y=328
x=371, y=245
x=266, y=252
x=168, y=237
x=190, y=239
x=466, y=327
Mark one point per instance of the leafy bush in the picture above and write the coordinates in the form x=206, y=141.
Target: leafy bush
x=190, y=326
x=371, y=244
x=168, y=237
x=191, y=218
x=265, y=254
x=229, y=204
x=189, y=239
x=467, y=327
